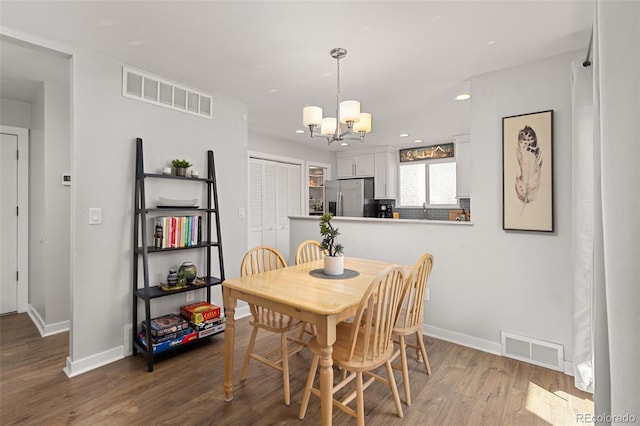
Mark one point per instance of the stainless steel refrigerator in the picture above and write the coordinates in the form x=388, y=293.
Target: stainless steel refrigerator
x=350, y=197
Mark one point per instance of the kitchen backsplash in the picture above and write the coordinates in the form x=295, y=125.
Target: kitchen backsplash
x=432, y=214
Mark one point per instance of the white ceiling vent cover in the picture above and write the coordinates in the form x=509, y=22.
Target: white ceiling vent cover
x=149, y=88
x=538, y=352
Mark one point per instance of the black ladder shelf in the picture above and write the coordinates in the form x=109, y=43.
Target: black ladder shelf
x=142, y=249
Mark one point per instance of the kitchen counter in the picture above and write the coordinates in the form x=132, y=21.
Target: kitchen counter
x=387, y=221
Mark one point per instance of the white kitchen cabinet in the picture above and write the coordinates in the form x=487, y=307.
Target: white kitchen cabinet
x=385, y=176
x=358, y=166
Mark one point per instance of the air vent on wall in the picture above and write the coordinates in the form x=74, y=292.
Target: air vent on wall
x=149, y=88
x=538, y=352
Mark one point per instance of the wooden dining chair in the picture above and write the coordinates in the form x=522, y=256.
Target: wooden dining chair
x=410, y=319
x=261, y=259
x=308, y=251
x=363, y=345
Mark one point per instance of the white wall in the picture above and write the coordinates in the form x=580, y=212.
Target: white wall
x=57, y=201
x=14, y=113
x=308, y=151
x=106, y=126
x=37, y=213
x=484, y=279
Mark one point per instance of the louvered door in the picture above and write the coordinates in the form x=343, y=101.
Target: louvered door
x=275, y=193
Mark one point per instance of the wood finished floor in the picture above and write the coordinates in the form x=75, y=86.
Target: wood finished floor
x=467, y=387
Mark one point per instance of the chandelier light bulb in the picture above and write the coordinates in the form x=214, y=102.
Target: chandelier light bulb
x=349, y=111
x=312, y=116
x=364, y=124
x=328, y=126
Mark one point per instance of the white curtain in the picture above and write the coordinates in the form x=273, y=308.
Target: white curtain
x=584, y=208
x=616, y=215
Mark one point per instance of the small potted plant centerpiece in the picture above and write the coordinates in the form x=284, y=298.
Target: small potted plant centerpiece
x=181, y=166
x=333, y=259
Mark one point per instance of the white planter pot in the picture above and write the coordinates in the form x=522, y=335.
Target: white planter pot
x=334, y=265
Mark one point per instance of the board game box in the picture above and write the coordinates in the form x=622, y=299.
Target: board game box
x=200, y=312
x=160, y=347
x=208, y=328
x=167, y=324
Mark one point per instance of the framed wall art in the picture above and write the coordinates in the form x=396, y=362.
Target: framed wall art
x=527, y=172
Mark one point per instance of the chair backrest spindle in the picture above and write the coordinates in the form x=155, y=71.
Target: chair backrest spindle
x=377, y=314
x=415, y=288
x=308, y=251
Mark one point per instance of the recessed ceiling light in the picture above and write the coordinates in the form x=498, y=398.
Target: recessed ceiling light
x=136, y=43
x=273, y=90
x=299, y=131
x=491, y=43
x=418, y=141
x=463, y=97
x=404, y=135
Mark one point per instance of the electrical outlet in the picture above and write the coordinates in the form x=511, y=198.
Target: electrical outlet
x=426, y=295
x=190, y=296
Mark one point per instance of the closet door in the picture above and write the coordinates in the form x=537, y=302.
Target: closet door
x=262, y=202
x=288, y=204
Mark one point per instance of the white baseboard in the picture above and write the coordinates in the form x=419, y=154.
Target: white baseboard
x=475, y=343
x=75, y=368
x=46, y=329
x=463, y=339
x=36, y=319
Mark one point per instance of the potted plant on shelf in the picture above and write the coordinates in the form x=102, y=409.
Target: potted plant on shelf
x=181, y=166
x=333, y=259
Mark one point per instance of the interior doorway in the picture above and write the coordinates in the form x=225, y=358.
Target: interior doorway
x=14, y=219
x=35, y=92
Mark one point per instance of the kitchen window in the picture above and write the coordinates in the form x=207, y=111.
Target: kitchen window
x=430, y=182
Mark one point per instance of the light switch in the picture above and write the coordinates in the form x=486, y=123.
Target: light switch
x=95, y=216
x=241, y=213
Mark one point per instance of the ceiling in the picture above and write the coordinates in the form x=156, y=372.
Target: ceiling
x=406, y=60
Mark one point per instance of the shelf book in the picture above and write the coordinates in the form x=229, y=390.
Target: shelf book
x=176, y=231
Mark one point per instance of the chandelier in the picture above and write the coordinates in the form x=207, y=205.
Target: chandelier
x=347, y=112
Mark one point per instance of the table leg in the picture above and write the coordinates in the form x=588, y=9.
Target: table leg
x=229, y=337
x=326, y=338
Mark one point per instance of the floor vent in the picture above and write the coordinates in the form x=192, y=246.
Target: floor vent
x=538, y=352
x=149, y=88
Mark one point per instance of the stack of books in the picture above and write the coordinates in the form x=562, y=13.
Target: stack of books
x=167, y=331
x=176, y=231
x=195, y=321
x=204, y=318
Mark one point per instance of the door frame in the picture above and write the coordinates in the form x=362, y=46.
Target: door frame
x=23, y=217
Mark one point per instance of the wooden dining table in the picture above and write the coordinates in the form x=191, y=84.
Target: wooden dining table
x=317, y=300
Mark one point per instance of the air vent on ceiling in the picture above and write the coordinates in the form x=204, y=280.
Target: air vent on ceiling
x=149, y=88
x=538, y=352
